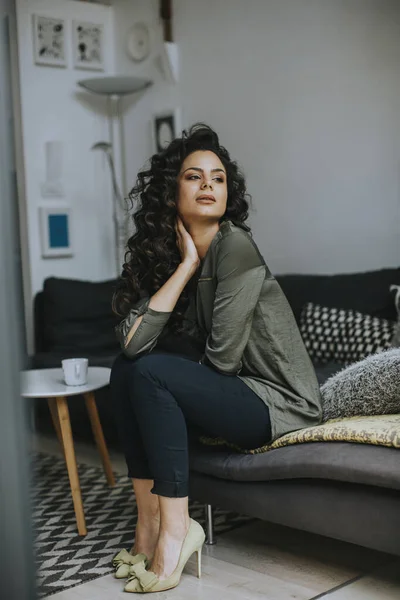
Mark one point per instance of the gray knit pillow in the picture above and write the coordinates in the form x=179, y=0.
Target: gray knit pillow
x=367, y=387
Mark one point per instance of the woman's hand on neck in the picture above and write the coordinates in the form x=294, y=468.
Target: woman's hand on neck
x=202, y=235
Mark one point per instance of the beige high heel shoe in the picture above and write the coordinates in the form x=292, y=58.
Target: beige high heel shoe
x=146, y=581
x=124, y=560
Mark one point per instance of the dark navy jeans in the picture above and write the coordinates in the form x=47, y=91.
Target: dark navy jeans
x=159, y=396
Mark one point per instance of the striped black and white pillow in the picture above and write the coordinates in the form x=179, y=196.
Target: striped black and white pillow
x=343, y=335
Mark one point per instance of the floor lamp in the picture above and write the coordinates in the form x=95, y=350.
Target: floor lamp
x=114, y=88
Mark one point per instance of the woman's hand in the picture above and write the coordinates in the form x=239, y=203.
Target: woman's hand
x=186, y=244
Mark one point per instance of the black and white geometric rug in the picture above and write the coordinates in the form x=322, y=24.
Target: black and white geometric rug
x=63, y=558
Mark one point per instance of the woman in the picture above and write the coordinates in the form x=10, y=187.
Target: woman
x=209, y=343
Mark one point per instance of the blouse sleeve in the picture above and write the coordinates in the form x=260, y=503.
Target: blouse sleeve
x=241, y=272
x=145, y=337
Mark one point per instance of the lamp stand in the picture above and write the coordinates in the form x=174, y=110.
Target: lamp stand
x=114, y=88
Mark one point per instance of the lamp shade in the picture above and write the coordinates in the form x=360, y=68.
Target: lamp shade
x=115, y=85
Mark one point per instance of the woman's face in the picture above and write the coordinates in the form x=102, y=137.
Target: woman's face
x=202, y=187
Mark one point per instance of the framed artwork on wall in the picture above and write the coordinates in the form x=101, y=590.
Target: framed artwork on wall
x=55, y=225
x=49, y=41
x=88, y=45
x=165, y=127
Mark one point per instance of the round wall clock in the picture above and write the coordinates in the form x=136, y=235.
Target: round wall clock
x=138, y=42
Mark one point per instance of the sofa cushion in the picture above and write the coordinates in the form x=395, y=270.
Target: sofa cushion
x=357, y=463
x=395, y=291
x=366, y=292
x=324, y=371
x=78, y=317
x=343, y=335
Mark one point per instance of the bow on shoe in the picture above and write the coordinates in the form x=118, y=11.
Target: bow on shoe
x=124, y=560
x=122, y=557
x=146, y=580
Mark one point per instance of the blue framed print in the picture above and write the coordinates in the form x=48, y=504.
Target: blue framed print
x=55, y=231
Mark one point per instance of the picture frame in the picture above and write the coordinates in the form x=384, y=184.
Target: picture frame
x=165, y=126
x=55, y=226
x=49, y=41
x=88, y=45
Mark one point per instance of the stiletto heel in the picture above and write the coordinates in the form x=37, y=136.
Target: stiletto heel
x=199, y=562
x=147, y=581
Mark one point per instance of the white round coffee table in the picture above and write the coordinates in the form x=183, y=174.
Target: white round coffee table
x=49, y=383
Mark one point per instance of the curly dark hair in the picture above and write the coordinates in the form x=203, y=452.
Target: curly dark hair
x=152, y=254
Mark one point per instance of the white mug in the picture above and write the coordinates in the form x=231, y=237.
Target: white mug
x=75, y=370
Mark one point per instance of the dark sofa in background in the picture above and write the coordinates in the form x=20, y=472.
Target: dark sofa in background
x=343, y=490
x=73, y=318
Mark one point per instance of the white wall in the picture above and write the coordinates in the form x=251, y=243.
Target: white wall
x=53, y=108
x=139, y=109
x=305, y=95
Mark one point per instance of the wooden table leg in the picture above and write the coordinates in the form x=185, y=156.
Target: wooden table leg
x=68, y=443
x=56, y=422
x=99, y=436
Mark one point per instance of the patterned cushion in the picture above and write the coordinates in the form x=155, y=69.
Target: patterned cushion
x=379, y=430
x=343, y=336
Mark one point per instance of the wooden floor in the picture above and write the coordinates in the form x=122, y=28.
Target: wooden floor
x=259, y=560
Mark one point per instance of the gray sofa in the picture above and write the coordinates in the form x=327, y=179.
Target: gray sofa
x=342, y=490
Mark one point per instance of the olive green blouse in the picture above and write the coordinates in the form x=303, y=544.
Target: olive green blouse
x=248, y=328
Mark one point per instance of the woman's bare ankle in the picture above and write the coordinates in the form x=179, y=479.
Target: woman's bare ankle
x=146, y=536
x=176, y=528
